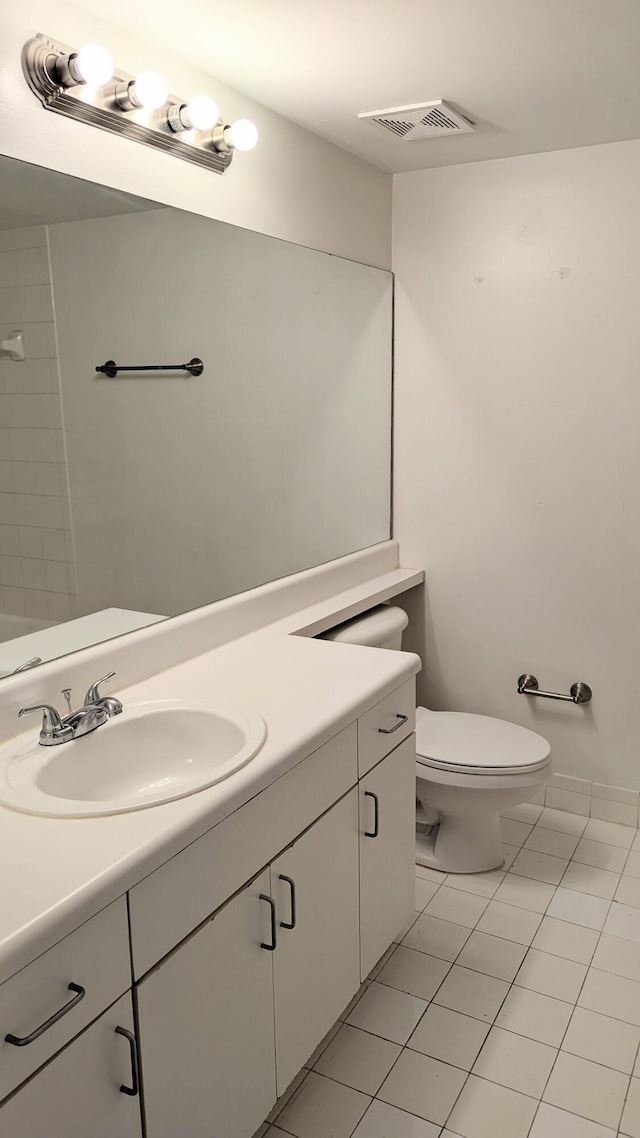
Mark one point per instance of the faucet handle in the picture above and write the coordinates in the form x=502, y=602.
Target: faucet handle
x=93, y=694
x=53, y=730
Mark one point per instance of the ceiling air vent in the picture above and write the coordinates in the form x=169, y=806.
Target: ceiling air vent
x=420, y=120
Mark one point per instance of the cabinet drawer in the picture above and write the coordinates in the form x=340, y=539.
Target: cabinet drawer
x=386, y=725
x=170, y=903
x=95, y=958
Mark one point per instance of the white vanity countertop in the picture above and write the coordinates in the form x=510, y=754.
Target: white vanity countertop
x=57, y=872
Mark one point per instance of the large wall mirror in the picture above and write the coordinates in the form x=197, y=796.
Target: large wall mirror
x=128, y=499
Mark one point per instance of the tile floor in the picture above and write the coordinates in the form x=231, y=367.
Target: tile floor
x=509, y=1008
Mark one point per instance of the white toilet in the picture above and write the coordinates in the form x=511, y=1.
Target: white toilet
x=469, y=767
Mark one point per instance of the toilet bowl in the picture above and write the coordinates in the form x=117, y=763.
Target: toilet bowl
x=469, y=767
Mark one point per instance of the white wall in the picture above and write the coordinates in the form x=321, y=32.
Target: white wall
x=294, y=185
x=185, y=490
x=517, y=480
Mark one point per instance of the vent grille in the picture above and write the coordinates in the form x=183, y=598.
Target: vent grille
x=420, y=120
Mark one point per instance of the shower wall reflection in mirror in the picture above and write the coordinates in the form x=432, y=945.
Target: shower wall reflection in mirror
x=127, y=500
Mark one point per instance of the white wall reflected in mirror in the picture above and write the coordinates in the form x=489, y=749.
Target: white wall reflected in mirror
x=132, y=499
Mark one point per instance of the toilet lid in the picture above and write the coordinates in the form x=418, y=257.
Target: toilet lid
x=461, y=741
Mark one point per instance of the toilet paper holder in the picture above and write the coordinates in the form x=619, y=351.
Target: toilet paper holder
x=578, y=693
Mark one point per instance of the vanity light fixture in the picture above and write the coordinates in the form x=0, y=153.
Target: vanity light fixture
x=149, y=91
x=84, y=85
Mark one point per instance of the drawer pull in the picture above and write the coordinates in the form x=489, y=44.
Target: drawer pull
x=22, y=1042
x=376, y=815
x=292, y=885
x=402, y=719
x=272, y=905
x=133, y=1051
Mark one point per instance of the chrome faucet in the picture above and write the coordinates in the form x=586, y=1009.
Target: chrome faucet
x=95, y=711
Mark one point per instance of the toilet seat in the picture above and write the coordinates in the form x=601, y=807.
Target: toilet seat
x=477, y=744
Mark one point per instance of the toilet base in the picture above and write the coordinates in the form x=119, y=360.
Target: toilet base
x=462, y=844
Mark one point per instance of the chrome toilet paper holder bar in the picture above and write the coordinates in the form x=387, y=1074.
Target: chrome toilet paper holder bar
x=578, y=693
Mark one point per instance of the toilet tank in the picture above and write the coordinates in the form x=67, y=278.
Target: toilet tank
x=381, y=627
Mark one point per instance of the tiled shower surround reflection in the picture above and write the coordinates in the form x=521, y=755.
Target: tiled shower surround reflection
x=37, y=573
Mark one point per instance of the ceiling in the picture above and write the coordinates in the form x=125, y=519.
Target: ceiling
x=35, y=195
x=534, y=75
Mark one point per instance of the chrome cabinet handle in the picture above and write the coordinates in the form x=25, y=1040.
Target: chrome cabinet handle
x=133, y=1051
x=274, y=941
x=292, y=885
x=402, y=719
x=26, y=1039
x=376, y=815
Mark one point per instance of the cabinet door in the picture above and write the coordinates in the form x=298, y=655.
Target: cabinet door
x=79, y=1093
x=387, y=851
x=315, y=965
x=205, y=1021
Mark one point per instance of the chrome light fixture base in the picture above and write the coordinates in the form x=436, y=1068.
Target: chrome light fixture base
x=42, y=61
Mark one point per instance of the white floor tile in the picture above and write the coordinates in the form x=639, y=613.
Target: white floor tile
x=611, y=833
x=453, y=905
x=551, y=975
x=352, y=1003
x=602, y=1040
x=527, y=812
x=449, y=1036
x=472, y=993
x=525, y=893
x=534, y=1015
x=492, y=955
x=425, y=890
x=551, y=1122
x=509, y=853
x=408, y=925
x=322, y=1046
x=322, y=1108
x=630, y=1124
x=423, y=1086
x=586, y=1088
x=284, y=1098
x=386, y=1012
x=579, y=908
x=514, y=833
x=384, y=1121
x=509, y=922
x=414, y=972
x=628, y=891
x=429, y=874
x=560, y=938
x=623, y=921
x=373, y=975
x=552, y=842
x=438, y=938
x=358, y=1059
x=589, y=879
x=483, y=884
x=611, y=995
x=632, y=864
x=617, y=955
x=561, y=820
x=636, y=842
x=600, y=855
x=486, y=1110
x=515, y=1061
x=540, y=866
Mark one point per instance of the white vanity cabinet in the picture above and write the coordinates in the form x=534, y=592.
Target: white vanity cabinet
x=316, y=963
x=206, y=1030
x=387, y=851
x=88, y=1091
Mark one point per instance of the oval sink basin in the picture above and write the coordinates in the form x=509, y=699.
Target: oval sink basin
x=153, y=752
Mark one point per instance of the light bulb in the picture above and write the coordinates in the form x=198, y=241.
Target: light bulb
x=242, y=134
x=149, y=90
x=93, y=64
x=201, y=112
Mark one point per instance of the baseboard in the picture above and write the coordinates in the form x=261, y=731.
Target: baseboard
x=591, y=799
